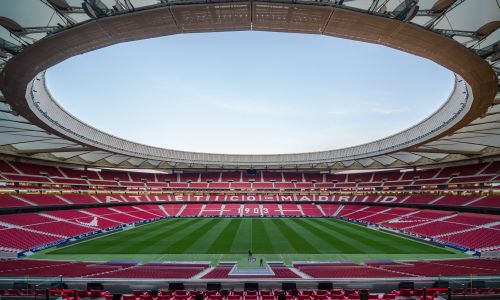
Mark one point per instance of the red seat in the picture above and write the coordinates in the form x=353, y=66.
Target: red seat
x=27, y=292
x=163, y=297
x=96, y=294
x=137, y=293
x=405, y=292
x=349, y=292
x=85, y=294
x=418, y=292
x=457, y=291
x=12, y=292
x=233, y=297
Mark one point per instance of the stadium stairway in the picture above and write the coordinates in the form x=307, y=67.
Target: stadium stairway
x=203, y=273
x=299, y=272
x=429, y=222
x=336, y=213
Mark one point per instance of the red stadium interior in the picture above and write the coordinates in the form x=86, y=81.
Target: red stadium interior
x=46, y=205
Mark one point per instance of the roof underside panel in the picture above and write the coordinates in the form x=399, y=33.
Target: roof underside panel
x=472, y=23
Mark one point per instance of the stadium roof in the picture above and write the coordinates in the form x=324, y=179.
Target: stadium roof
x=461, y=35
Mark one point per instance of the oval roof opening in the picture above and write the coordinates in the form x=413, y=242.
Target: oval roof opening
x=249, y=92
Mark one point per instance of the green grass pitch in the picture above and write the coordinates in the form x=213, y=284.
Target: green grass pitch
x=301, y=236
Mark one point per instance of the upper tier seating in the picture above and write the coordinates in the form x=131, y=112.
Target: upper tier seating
x=18, y=200
x=421, y=199
x=488, y=201
x=75, y=173
x=79, y=198
x=31, y=169
x=11, y=201
x=455, y=200
x=14, y=171
x=43, y=199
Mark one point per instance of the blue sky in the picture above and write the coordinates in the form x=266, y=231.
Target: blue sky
x=249, y=92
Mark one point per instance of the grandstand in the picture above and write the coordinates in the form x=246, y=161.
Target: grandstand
x=415, y=215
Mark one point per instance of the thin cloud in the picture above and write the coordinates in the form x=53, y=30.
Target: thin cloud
x=255, y=96
x=366, y=109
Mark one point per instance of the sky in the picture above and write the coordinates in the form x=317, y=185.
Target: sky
x=249, y=92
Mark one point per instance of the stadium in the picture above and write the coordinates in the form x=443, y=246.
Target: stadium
x=87, y=214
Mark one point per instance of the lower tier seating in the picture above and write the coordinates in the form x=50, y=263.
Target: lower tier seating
x=223, y=272
x=30, y=230
x=183, y=270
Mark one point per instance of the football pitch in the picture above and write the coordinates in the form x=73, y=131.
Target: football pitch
x=230, y=238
